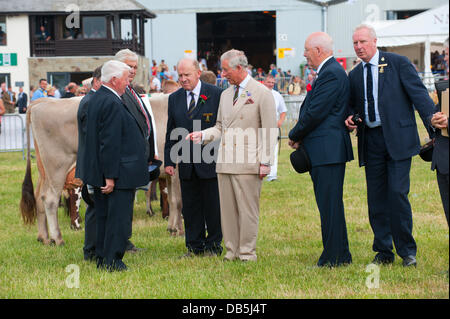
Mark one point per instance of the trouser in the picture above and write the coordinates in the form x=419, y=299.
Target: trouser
x=328, y=183
x=90, y=233
x=201, y=207
x=113, y=213
x=273, y=169
x=388, y=185
x=239, y=202
x=443, y=183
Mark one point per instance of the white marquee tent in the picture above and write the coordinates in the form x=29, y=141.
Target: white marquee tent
x=427, y=27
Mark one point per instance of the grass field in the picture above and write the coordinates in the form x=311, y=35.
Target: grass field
x=289, y=245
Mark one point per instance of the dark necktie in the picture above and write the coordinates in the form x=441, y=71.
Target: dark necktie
x=191, y=105
x=369, y=92
x=236, y=93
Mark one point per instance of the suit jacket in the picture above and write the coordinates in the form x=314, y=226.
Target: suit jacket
x=206, y=113
x=399, y=88
x=67, y=95
x=133, y=107
x=22, y=102
x=9, y=107
x=321, y=123
x=248, y=130
x=440, y=151
x=114, y=144
x=82, y=130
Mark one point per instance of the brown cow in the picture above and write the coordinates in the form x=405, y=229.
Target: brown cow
x=160, y=104
x=55, y=132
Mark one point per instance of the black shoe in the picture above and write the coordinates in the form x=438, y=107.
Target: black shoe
x=382, y=260
x=117, y=265
x=409, y=261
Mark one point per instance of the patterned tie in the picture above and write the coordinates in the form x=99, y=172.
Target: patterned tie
x=191, y=105
x=369, y=92
x=236, y=93
x=142, y=109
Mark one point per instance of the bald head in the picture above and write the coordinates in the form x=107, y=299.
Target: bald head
x=318, y=47
x=321, y=40
x=189, y=62
x=188, y=73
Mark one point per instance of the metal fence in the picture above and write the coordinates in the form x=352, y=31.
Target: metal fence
x=293, y=104
x=13, y=133
x=429, y=80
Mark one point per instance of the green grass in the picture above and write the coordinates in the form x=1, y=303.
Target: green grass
x=289, y=245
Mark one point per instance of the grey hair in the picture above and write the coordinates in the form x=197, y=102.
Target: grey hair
x=126, y=55
x=371, y=30
x=113, y=68
x=235, y=58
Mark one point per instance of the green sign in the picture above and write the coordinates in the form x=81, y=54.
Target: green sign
x=8, y=59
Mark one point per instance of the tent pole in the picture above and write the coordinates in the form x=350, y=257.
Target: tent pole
x=428, y=75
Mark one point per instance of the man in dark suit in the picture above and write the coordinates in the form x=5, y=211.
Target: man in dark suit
x=22, y=101
x=70, y=92
x=321, y=130
x=384, y=87
x=194, y=107
x=440, y=150
x=115, y=164
x=136, y=107
x=90, y=224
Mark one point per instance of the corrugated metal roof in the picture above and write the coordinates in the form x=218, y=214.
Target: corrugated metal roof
x=26, y=6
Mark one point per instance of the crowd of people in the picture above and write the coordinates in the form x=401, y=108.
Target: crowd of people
x=285, y=81
x=114, y=161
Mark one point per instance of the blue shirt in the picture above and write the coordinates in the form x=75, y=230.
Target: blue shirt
x=38, y=94
x=374, y=69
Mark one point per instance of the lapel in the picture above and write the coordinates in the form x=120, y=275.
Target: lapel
x=313, y=86
x=130, y=99
x=381, y=76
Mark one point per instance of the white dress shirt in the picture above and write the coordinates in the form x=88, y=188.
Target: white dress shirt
x=243, y=84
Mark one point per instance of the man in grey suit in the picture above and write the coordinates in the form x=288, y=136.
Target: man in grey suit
x=247, y=126
x=136, y=107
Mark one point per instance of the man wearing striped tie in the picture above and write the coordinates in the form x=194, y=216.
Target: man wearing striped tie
x=137, y=108
x=195, y=106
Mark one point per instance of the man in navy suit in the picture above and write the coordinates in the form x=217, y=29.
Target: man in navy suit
x=89, y=218
x=115, y=164
x=321, y=130
x=193, y=108
x=22, y=101
x=384, y=87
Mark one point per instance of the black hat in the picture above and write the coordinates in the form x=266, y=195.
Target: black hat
x=300, y=160
x=88, y=198
x=426, y=151
x=153, y=169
